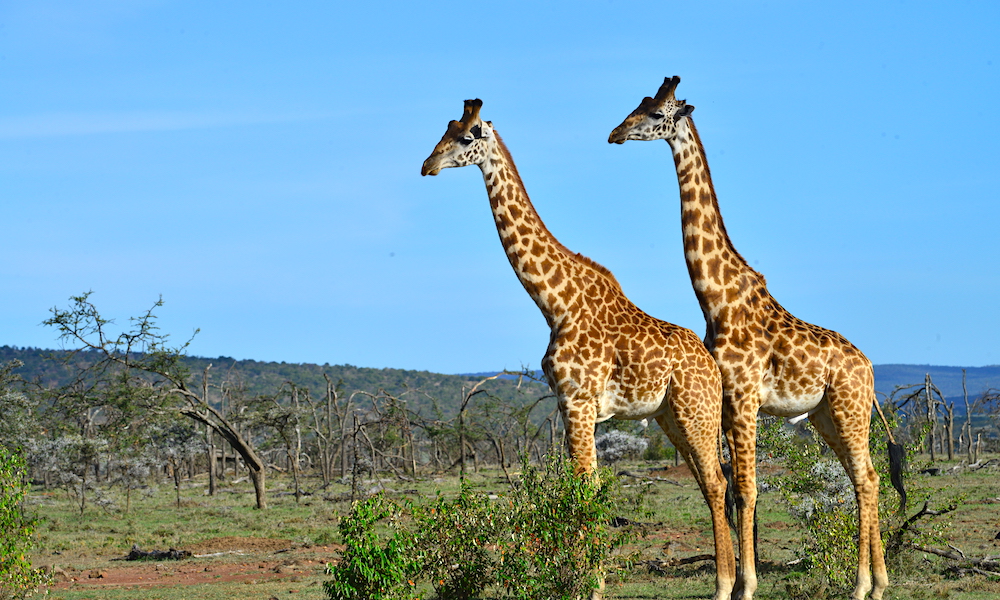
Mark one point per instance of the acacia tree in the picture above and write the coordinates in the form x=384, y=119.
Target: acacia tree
x=141, y=362
x=285, y=418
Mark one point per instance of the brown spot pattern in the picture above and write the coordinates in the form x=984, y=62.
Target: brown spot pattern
x=769, y=360
x=606, y=357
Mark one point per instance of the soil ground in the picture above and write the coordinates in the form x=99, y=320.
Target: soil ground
x=222, y=560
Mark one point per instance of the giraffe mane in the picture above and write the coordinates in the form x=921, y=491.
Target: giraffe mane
x=715, y=203
x=575, y=256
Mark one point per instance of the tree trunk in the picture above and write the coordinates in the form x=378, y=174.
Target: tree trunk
x=83, y=490
x=257, y=476
x=211, y=417
x=413, y=450
x=354, y=447
x=212, y=464
x=295, y=475
x=461, y=445
x=968, y=418
x=175, y=467
x=209, y=437
x=949, y=429
x=931, y=415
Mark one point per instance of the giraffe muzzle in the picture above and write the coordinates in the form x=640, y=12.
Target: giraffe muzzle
x=617, y=137
x=428, y=168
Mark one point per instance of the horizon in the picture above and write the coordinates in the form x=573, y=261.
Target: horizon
x=471, y=373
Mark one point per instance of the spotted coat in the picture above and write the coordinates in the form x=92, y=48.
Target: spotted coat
x=605, y=358
x=770, y=360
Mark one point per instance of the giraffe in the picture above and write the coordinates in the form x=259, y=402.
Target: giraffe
x=606, y=358
x=770, y=361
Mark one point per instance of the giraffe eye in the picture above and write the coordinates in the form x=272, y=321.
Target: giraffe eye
x=466, y=140
x=657, y=115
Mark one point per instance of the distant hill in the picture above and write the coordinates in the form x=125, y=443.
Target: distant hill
x=418, y=388
x=947, y=379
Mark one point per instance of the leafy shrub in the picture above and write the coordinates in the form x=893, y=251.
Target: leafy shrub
x=818, y=493
x=556, y=538
x=659, y=447
x=458, y=541
x=374, y=567
x=17, y=578
x=548, y=537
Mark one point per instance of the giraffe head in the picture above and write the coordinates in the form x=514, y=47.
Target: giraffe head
x=656, y=118
x=464, y=143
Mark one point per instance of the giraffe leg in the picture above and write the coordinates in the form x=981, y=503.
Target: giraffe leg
x=742, y=413
x=700, y=454
x=847, y=434
x=579, y=419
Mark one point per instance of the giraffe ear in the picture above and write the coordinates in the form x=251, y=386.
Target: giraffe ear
x=684, y=111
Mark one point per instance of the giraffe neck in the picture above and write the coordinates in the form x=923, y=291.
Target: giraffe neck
x=549, y=272
x=720, y=276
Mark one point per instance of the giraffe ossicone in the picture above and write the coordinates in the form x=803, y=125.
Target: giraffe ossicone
x=770, y=361
x=606, y=358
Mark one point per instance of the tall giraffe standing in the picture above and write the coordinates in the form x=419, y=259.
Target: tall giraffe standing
x=606, y=358
x=770, y=360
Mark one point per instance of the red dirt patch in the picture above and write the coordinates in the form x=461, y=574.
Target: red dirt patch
x=248, y=545
x=241, y=561
x=678, y=473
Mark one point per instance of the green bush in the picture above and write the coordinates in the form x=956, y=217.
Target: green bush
x=659, y=448
x=548, y=537
x=458, y=538
x=820, y=495
x=374, y=567
x=556, y=539
x=17, y=578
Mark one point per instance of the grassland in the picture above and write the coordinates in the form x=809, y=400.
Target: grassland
x=239, y=552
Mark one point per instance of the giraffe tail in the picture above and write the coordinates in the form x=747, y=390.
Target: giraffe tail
x=727, y=472
x=897, y=459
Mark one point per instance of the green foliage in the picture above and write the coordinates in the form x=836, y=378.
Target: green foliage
x=17, y=578
x=455, y=540
x=819, y=494
x=18, y=421
x=374, y=567
x=555, y=538
x=659, y=448
x=548, y=537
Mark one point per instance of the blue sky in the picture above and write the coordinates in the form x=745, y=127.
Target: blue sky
x=257, y=164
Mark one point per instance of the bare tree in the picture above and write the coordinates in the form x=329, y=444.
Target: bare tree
x=921, y=403
x=140, y=359
x=285, y=418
